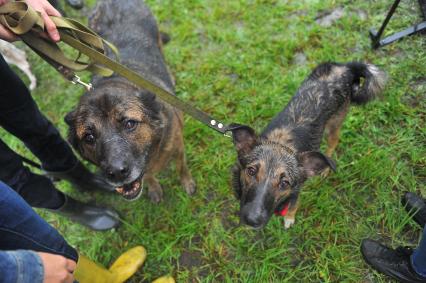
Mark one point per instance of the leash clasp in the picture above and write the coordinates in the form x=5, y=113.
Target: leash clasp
x=77, y=80
x=221, y=127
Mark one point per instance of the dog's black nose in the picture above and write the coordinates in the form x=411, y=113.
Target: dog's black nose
x=253, y=220
x=118, y=171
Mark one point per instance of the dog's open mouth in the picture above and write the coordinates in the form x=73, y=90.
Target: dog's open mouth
x=131, y=191
x=282, y=207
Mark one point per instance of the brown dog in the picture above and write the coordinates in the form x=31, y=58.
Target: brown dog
x=126, y=131
x=272, y=167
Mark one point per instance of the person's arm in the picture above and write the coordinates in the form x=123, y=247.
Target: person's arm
x=24, y=266
x=46, y=10
x=20, y=266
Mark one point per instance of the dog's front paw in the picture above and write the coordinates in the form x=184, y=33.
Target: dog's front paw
x=190, y=186
x=288, y=222
x=325, y=173
x=155, y=196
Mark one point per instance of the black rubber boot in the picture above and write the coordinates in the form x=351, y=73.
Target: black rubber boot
x=394, y=263
x=416, y=207
x=93, y=217
x=39, y=191
x=82, y=178
x=76, y=4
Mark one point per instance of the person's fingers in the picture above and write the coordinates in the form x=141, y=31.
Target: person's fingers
x=51, y=29
x=71, y=265
x=7, y=35
x=51, y=11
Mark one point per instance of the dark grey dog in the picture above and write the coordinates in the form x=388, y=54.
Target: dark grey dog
x=272, y=168
x=126, y=131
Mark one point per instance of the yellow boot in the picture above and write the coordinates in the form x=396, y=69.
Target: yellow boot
x=124, y=266
x=164, y=279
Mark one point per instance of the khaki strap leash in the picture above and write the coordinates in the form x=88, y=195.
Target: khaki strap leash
x=26, y=23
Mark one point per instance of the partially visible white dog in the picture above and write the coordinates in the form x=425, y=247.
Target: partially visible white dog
x=15, y=56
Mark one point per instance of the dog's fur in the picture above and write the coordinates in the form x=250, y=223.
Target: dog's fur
x=125, y=130
x=272, y=167
x=18, y=57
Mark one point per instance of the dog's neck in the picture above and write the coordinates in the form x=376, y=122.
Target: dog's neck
x=292, y=129
x=297, y=138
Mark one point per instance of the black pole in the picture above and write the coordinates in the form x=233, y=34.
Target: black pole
x=375, y=36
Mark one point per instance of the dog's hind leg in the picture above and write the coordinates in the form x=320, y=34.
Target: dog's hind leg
x=155, y=192
x=332, y=129
x=185, y=175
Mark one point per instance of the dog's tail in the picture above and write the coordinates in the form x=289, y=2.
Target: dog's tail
x=369, y=81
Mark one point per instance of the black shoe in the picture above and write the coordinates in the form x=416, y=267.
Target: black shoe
x=95, y=218
x=394, y=263
x=76, y=4
x=416, y=207
x=82, y=178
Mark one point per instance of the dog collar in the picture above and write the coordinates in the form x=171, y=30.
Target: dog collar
x=283, y=211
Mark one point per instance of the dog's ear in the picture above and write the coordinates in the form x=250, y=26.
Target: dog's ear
x=72, y=135
x=314, y=162
x=244, y=137
x=69, y=118
x=151, y=105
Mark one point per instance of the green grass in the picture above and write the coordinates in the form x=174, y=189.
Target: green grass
x=234, y=59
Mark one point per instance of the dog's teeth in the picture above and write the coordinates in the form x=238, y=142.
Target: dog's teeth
x=119, y=190
x=136, y=185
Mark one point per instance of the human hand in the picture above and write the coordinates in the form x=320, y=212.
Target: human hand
x=57, y=268
x=7, y=35
x=46, y=10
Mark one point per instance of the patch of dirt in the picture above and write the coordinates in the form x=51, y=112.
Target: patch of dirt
x=369, y=277
x=361, y=14
x=417, y=96
x=419, y=84
x=298, y=13
x=201, y=33
x=239, y=26
x=234, y=77
x=299, y=59
x=229, y=218
x=211, y=196
x=327, y=18
x=190, y=259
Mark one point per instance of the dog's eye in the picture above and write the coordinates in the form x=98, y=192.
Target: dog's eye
x=89, y=139
x=251, y=171
x=130, y=124
x=284, y=183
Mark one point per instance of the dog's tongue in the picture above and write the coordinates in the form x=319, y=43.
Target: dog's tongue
x=283, y=210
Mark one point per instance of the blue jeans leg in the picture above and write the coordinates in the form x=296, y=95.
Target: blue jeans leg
x=418, y=258
x=22, y=228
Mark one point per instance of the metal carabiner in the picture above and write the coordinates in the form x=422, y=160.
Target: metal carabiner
x=76, y=80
